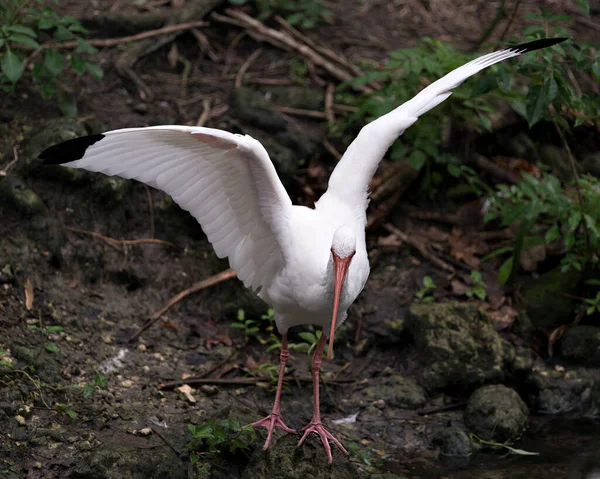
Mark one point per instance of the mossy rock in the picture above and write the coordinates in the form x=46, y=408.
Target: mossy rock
x=249, y=106
x=452, y=442
x=546, y=305
x=496, y=413
x=581, y=344
x=398, y=392
x=297, y=97
x=115, y=461
x=15, y=191
x=457, y=345
x=285, y=460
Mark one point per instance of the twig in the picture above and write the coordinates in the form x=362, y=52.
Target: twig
x=302, y=112
x=211, y=281
x=492, y=168
x=243, y=381
x=117, y=243
x=510, y=20
x=278, y=38
x=492, y=26
x=331, y=149
x=326, y=52
x=239, y=78
x=177, y=453
x=588, y=245
x=449, y=407
x=4, y=171
x=111, y=42
x=329, y=114
x=420, y=247
x=205, y=112
x=150, y=210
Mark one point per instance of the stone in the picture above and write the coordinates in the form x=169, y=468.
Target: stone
x=559, y=391
x=250, y=106
x=285, y=460
x=457, y=346
x=453, y=442
x=15, y=191
x=545, y=307
x=397, y=391
x=581, y=344
x=110, y=461
x=496, y=413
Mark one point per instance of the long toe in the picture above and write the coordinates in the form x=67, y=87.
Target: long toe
x=325, y=436
x=271, y=422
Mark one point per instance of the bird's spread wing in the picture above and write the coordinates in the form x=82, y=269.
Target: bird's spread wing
x=226, y=181
x=352, y=175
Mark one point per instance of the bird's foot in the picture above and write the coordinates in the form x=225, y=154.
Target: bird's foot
x=325, y=435
x=272, y=421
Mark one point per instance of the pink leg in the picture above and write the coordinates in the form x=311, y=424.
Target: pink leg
x=315, y=424
x=274, y=419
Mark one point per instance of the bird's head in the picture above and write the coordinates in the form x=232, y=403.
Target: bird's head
x=343, y=248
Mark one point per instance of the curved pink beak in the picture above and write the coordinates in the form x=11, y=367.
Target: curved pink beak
x=340, y=268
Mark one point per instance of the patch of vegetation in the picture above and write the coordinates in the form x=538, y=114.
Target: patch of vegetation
x=478, y=289
x=30, y=34
x=46, y=331
x=305, y=14
x=422, y=295
x=98, y=382
x=550, y=212
x=479, y=443
x=217, y=436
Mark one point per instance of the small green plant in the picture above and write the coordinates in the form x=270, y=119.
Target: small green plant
x=24, y=26
x=593, y=304
x=46, y=331
x=217, y=436
x=478, y=289
x=67, y=409
x=98, y=382
x=549, y=212
x=428, y=286
x=305, y=14
x=479, y=443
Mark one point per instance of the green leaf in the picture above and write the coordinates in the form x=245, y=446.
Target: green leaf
x=95, y=70
x=24, y=40
x=584, y=5
x=536, y=104
x=72, y=414
x=504, y=270
x=23, y=30
x=54, y=61
x=417, y=159
x=308, y=337
x=53, y=348
x=552, y=234
x=78, y=64
x=12, y=66
x=201, y=432
x=85, y=47
x=67, y=104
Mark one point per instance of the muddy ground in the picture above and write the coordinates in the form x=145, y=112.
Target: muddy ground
x=78, y=399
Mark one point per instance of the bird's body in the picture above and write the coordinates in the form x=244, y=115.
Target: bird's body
x=308, y=264
x=302, y=290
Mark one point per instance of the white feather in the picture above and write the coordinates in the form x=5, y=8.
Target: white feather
x=212, y=174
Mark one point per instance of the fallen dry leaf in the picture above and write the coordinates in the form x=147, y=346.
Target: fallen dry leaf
x=186, y=390
x=530, y=257
x=504, y=317
x=28, y=294
x=458, y=287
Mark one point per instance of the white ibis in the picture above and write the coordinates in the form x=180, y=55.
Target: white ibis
x=308, y=264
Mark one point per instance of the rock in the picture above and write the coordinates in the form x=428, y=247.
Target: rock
x=457, y=344
x=112, y=461
x=452, y=441
x=52, y=132
x=14, y=190
x=251, y=107
x=285, y=460
x=581, y=344
x=545, y=307
x=110, y=190
x=559, y=391
x=297, y=97
x=496, y=413
x=6, y=275
x=398, y=392
x=591, y=164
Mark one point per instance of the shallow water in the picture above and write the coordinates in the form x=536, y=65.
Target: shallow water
x=567, y=448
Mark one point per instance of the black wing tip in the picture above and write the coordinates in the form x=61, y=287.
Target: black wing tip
x=537, y=44
x=68, y=151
